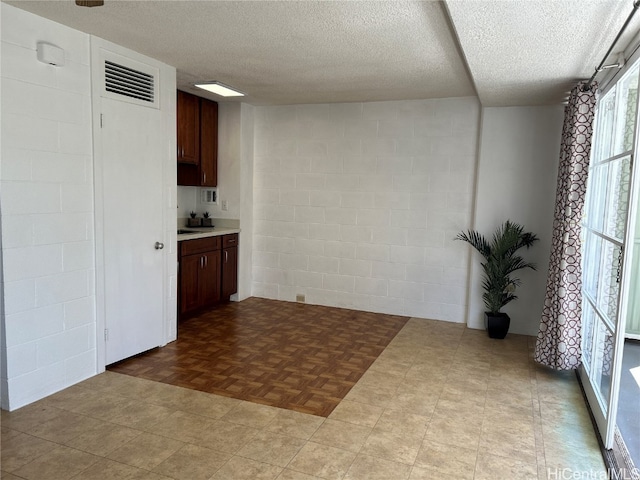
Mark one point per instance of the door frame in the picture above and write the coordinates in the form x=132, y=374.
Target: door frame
x=167, y=105
x=606, y=424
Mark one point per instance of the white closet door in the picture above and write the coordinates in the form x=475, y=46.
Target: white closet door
x=132, y=224
x=130, y=150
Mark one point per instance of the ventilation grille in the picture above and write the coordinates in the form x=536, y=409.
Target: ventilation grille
x=128, y=82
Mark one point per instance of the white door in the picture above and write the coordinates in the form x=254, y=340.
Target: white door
x=605, y=235
x=132, y=223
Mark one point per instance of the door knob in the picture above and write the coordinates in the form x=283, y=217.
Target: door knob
x=159, y=245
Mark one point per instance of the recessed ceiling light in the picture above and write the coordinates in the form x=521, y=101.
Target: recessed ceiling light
x=219, y=89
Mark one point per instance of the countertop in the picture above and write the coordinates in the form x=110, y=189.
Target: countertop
x=203, y=232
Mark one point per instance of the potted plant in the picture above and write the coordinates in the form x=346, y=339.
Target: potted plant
x=500, y=262
x=193, y=221
x=207, y=221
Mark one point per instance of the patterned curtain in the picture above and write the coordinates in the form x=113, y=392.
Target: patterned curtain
x=559, y=339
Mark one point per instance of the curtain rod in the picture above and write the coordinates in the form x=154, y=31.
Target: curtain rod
x=601, y=67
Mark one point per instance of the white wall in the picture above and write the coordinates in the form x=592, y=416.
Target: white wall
x=517, y=172
x=245, y=249
x=357, y=205
x=47, y=205
x=229, y=152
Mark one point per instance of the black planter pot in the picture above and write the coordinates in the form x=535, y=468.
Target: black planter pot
x=497, y=324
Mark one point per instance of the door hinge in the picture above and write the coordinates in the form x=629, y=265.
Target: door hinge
x=106, y=334
x=101, y=120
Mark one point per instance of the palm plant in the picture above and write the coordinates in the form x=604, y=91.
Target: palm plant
x=500, y=262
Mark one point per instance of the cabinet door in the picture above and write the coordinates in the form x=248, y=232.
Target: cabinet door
x=209, y=281
x=188, y=119
x=229, y=272
x=208, y=143
x=189, y=272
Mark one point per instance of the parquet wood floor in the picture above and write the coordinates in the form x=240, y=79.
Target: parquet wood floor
x=299, y=357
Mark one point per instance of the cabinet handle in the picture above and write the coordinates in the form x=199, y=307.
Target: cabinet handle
x=206, y=260
x=226, y=256
x=201, y=262
x=204, y=178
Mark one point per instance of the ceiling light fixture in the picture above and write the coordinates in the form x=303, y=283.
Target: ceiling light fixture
x=90, y=3
x=219, y=89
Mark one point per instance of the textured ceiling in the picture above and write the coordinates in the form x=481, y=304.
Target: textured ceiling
x=518, y=52
x=533, y=52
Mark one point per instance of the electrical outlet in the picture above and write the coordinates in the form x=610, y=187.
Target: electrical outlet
x=225, y=207
x=300, y=298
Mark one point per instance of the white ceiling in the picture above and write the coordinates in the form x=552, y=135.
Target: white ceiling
x=509, y=52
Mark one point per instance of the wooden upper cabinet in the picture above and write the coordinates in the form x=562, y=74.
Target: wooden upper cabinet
x=208, y=143
x=188, y=119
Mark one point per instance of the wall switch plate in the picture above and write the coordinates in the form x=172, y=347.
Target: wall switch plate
x=300, y=298
x=224, y=204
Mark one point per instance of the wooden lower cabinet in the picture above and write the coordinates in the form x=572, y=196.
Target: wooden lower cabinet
x=207, y=273
x=229, y=265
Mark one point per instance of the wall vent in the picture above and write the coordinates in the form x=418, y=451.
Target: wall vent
x=127, y=80
x=131, y=83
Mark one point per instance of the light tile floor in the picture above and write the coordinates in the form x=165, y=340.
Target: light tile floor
x=440, y=402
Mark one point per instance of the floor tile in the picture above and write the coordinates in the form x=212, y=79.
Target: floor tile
x=106, y=469
x=194, y=402
x=346, y=436
x=65, y=427
x=141, y=415
x=8, y=476
x=322, y=461
x=357, y=413
x=7, y=434
x=26, y=418
x=105, y=406
x=576, y=414
x=146, y=451
x=490, y=467
x=225, y=437
x=21, y=449
x=455, y=429
x=183, y=426
x=239, y=468
x=397, y=420
x=251, y=414
x=416, y=403
x=272, y=448
x=293, y=475
x=295, y=424
x=71, y=398
x=438, y=460
x=392, y=445
x=103, y=439
x=511, y=444
x=192, y=462
x=61, y=463
x=370, y=468
x=372, y=395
